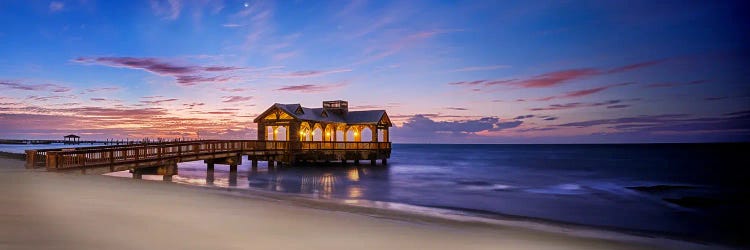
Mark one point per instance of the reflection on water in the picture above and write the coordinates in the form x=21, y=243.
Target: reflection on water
x=346, y=183
x=338, y=182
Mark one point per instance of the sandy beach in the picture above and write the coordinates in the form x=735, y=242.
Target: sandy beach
x=43, y=210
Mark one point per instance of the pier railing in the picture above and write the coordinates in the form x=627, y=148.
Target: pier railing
x=55, y=159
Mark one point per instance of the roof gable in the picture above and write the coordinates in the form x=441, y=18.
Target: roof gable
x=296, y=111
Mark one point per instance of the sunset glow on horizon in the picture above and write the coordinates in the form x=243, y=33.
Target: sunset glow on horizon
x=446, y=72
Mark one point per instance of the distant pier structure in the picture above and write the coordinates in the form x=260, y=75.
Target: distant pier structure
x=287, y=134
x=72, y=139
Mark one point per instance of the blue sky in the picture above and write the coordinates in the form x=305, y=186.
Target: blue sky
x=446, y=71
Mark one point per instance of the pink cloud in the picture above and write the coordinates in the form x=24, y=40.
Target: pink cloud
x=156, y=102
x=557, y=78
x=35, y=87
x=236, y=98
x=185, y=75
x=310, y=73
x=480, y=68
x=584, y=92
x=573, y=105
x=311, y=88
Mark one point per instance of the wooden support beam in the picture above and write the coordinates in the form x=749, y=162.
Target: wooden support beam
x=210, y=177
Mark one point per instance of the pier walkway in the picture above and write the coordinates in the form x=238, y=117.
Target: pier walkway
x=162, y=158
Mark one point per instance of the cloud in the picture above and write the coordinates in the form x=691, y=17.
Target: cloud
x=169, y=9
x=229, y=99
x=232, y=25
x=627, y=120
x=191, y=80
x=232, y=89
x=184, y=75
x=635, y=66
x=98, y=99
x=457, y=108
x=152, y=65
x=104, y=89
x=47, y=98
x=121, y=125
x=192, y=105
x=505, y=125
x=573, y=105
x=557, y=78
x=673, y=84
x=35, y=87
x=481, y=68
x=311, y=88
x=521, y=117
x=468, y=83
x=422, y=126
x=156, y=102
x=55, y=6
x=585, y=92
x=220, y=68
x=310, y=73
x=619, y=106
x=116, y=112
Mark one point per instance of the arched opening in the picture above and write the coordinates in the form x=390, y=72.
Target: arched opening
x=366, y=135
x=269, y=133
x=329, y=133
x=352, y=134
x=381, y=135
x=281, y=133
x=317, y=134
x=304, y=131
x=340, y=135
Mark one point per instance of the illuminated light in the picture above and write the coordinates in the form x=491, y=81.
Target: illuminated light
x=301, y=133
x=353, y=175
x=355, y=133
x=328, y=133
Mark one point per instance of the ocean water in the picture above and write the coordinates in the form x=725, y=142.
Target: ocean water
x=689, y=191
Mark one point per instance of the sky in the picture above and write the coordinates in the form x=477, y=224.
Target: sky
x=445, y=71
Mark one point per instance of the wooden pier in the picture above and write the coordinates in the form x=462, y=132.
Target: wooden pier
x=161, y=158
x=287, y=134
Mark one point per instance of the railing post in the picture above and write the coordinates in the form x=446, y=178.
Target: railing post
x=30, y=159
x=51, y=163
x=112, y=160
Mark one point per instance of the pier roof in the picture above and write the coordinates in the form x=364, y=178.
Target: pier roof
x=328, y=115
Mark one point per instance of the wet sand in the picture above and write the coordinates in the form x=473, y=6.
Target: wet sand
x=43, y=210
